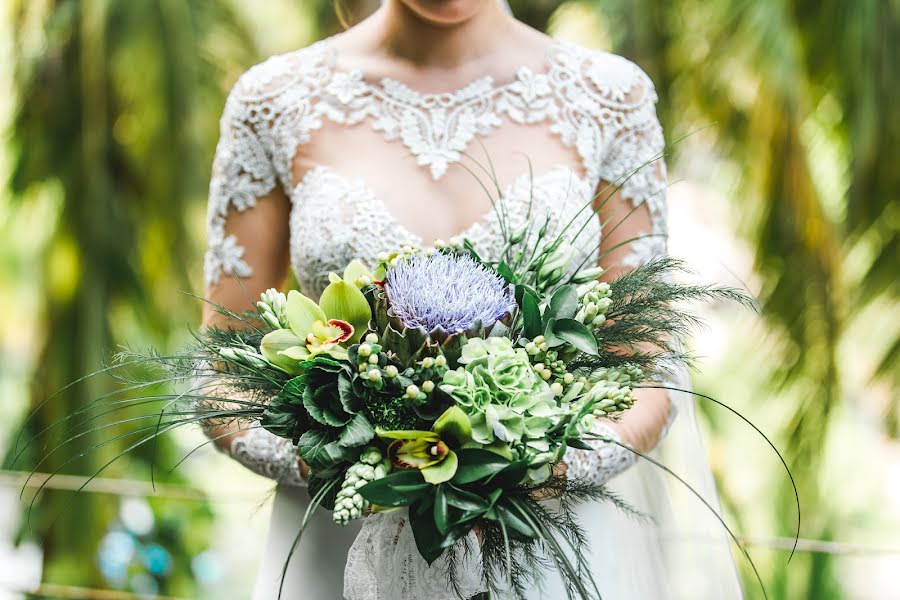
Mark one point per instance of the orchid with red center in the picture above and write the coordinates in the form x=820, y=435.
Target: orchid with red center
x=327, y=327
x=432, y=452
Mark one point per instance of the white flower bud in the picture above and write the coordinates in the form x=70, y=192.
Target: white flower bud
x=539, y=340
x=372, y=338
x=546, y=374
x=374, y=375
x=391, y=371
x=427, y=362
x=412, y=391
x=440, y=361
x=568, y=378
x=373, y=360
x=556, y=388
x=428, y=386
x=539, y=367
x=364, y=350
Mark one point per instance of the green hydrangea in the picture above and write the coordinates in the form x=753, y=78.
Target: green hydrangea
x=498, y=388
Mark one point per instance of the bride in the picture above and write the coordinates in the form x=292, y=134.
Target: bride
x=378, y=136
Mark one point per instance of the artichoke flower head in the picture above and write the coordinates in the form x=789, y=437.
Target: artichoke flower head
x=433, y=303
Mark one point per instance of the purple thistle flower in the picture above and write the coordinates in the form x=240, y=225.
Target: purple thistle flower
x=449, y=291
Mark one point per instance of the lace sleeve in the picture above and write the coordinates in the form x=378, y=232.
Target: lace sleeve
x=242, y=172
x=633, y=161
x=268, y=455
x=259, y=450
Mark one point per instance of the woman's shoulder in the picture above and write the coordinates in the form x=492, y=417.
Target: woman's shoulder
x=284, y=73
x=611, y=76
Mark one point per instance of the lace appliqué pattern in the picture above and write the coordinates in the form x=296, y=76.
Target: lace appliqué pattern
x=599, y=103
x=607, y=460
x=268, y=455
x=360, y=225
x=386, y=545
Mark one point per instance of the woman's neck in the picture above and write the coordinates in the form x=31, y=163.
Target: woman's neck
x=404, y=35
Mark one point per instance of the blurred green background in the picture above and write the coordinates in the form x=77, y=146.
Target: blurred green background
x=787, y=182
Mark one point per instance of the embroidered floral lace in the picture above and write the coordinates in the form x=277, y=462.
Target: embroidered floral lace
x=598, y=104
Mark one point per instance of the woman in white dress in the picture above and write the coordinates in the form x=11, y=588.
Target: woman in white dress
x=363, y=141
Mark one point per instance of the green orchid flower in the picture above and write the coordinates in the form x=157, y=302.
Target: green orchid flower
x=338, y=320
x=431, y=451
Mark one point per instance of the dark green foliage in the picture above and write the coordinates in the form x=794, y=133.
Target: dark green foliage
x=286, y=416
x=390, y=412
x=648, y=321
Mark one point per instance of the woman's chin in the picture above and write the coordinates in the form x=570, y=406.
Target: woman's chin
x=446, y=13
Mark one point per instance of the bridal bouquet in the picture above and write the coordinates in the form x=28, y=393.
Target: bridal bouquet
x=444, y=385
x=449, y=386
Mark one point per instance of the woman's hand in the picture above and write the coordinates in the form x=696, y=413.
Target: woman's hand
x=304, y=468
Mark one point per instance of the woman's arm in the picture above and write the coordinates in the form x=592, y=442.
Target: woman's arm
x=643, y=425
x=634, y=231
x=264, y=235
x=247, y=253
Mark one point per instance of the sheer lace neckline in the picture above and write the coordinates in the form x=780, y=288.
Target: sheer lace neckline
x=483, y=222
x=391, y=87
x=437, y=128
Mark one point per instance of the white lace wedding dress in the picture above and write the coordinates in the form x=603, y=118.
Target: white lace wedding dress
x=597, y=108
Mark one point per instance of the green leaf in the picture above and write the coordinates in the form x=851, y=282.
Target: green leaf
x=575, y=334
x=429, y=539
x=441, y=517
x=357, y=432
x=551, y=339
x=531, y=315
x=506, y=272
x=350, y=400
x=514, y=523
x=509, y=477
x=316, y=483
x=397, y=489
x=319, y=449
x=322, y=414
x=466, y=501
x=579, y=444
x=476, y=464
x=563, y=304
x=285, y=415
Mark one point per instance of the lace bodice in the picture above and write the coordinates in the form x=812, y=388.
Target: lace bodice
x=600, y=104
x=597, y=104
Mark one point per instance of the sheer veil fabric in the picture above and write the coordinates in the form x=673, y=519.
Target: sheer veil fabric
x=586, y=116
